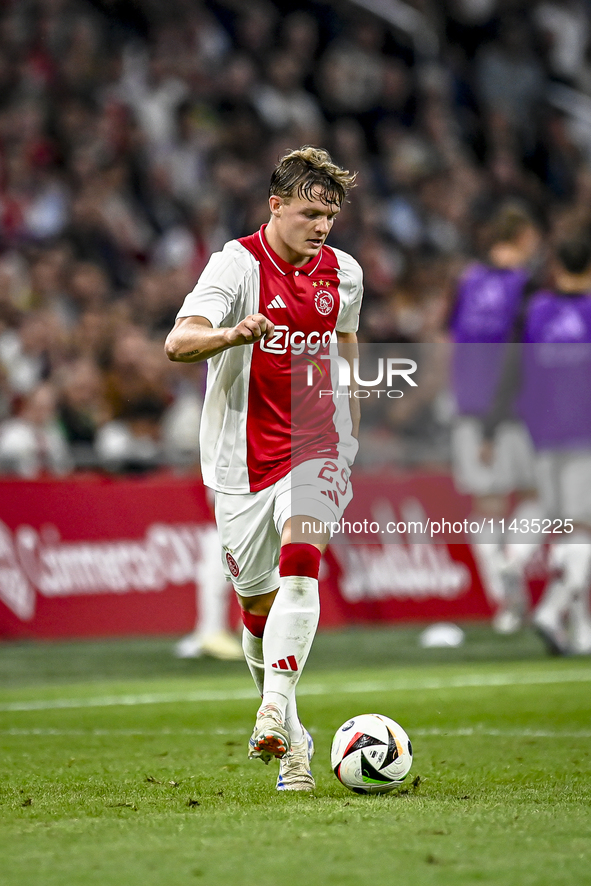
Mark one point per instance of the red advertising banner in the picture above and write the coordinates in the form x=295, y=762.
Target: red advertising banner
x=93, y=556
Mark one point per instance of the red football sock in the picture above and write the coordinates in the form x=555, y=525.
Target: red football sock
x=299, y=558
x=254, y=623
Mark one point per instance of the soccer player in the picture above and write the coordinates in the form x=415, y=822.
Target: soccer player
x=279, y=464
x=548, y=378
x=488, y=303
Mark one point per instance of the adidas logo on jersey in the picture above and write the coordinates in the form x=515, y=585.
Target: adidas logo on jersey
x=277, y=303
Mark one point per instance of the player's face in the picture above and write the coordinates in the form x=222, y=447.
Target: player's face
x=300, y=226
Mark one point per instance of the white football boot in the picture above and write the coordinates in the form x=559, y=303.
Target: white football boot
x=294, y=766
x=269, y=737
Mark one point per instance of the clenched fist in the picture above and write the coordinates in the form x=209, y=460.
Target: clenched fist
x=251, y=329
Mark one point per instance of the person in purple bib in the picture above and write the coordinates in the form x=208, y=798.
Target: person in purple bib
x=490, y=296
x=547, y=378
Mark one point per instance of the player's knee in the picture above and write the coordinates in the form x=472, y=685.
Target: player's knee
x=305, y=530
x=258, y=604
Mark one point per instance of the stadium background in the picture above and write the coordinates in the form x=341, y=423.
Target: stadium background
x=136, y=138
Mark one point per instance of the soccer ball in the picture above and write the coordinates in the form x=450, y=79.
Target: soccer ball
x=371, y=754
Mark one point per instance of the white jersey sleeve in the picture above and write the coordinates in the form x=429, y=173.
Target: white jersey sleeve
x=350, y=291
x=220, y=288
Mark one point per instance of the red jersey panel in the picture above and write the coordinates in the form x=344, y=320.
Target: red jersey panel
x=263, y=412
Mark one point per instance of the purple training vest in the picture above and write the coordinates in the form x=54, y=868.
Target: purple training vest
x=555, y=396
x=486, y=308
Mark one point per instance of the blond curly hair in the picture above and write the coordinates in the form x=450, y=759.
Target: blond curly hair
x=311, y=173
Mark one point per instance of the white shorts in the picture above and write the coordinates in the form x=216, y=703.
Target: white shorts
x=513, y=464
x=250, y=525
x=564, y=480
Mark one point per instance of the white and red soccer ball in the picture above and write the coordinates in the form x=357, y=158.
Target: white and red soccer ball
x=371, y=754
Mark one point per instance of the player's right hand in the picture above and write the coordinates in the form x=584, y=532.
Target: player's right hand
x=251, y=329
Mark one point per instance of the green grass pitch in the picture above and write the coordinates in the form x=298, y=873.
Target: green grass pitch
x=123, y=765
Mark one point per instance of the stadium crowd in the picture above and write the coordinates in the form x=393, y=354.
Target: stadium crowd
x=137, y=137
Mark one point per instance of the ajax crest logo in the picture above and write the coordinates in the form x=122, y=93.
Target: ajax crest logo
x=232, y=564
x=324, y=302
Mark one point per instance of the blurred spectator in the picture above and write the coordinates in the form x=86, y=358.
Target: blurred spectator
x=154, y=300
x=510, y=81
x=92, y=240
x=350, y=72
x=136, y=377
x=470, y=23
x=82, y=410
x=32, y=350
x=133, y=443
x=32, y=442
x=185, y=156
x=47, y=282
x=396, y=103
x=154, y=91
x=564, y=25
x=88, y=289
x=180, y=424
x=300, y=38
x=95, y=331
x=254, y=29
x=283, y=103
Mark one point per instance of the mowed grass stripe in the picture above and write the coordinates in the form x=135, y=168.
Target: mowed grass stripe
x=464, y=681
x=465, y=732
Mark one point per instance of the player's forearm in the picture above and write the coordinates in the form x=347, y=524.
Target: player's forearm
x=193, y=339
x=192, y=344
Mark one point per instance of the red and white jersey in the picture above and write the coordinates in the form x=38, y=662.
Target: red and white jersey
x=253, y=431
